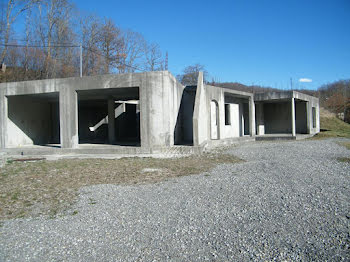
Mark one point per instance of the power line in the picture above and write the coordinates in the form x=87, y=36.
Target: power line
x=37, y=41
x=70, y=46
x=38, y=46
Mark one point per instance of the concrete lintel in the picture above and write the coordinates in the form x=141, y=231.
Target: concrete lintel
x=283, y=95
x=78, y=83
x=237, y=93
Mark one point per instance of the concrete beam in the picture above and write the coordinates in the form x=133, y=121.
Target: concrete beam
x=293, y=117
x=68, y=102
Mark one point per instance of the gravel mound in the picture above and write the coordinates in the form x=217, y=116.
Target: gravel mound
x=288, y=202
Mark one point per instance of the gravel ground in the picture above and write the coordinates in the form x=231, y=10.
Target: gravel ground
x=288, y=202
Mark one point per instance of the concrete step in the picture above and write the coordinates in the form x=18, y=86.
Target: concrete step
x=274, y=138
x=101, y=150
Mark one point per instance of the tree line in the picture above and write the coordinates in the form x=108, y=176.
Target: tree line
x=41, y=39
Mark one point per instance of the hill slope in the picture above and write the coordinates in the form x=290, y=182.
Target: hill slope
x=331, y=126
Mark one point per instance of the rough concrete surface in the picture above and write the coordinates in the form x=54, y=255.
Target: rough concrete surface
x=288, y=202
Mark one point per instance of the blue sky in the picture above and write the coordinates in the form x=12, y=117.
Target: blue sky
x=264, y=42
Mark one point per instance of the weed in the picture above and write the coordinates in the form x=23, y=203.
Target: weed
x=15, y=196
x=344, y=159
x=92, y=201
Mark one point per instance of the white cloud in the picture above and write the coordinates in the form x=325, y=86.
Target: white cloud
x=305, y=80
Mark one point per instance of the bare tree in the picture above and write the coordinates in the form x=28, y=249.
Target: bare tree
x=90, y=29
x=13, y=10
x=189, y=75
x=110, y=42
x=153, y=57
x=131, y=52
x=48, y=42
x=54, y=28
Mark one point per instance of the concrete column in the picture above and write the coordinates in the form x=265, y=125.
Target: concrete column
x=252, y=129
x=111, y=121
x=145, y=113
x=69, y=118
x=3, y=119
x=293, y=117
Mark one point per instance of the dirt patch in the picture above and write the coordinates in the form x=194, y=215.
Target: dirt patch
x=48, y=187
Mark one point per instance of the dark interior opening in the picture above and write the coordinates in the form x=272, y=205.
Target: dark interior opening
x=227, y=115
x=183, y=133
x=278, y=117
x=246, y=119
x=301, y=117
x=93, y=115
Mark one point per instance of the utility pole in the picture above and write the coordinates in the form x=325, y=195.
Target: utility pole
x=81, y=60
x=166, y=61
x=291, y=84
x=345, y=102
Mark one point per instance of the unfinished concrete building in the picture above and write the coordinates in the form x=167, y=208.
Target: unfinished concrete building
x=143, y=113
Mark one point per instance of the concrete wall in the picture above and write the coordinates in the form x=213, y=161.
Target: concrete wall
x=200, y=114
x=202, y=122
x=310, y=102
x=236, y=128
x=160, y=98
x=277, y=118
x=31, y=121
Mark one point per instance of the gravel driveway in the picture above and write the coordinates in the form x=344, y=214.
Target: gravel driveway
x=290, y=201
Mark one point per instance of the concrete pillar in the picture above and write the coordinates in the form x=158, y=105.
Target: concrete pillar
x=293, y=117
x=145, y=114
x=69, y=118
x=252, y=129
x=3, y=119
x=111, y=121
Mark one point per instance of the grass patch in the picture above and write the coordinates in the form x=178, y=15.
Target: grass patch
x=346, y=144
x=48, y=187
x=344, y=159
x=331, y=126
